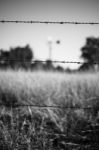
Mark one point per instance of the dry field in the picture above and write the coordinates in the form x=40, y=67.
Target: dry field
x=41, y=128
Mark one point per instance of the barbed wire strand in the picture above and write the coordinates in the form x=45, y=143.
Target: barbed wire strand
x=49, y=22
x=55, y=106
x=44, y=61
x=45, y=106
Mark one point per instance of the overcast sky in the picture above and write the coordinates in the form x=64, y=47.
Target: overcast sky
x=72, y=37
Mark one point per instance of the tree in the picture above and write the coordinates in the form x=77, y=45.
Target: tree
x=4, y=59
x=49, y=65
x=37, y=65
x=21, y=57
x=90, y=52
x=59, y=68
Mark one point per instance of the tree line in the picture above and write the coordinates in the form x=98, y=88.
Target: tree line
x=90, y=54
x=22, y=57
x=16, y=57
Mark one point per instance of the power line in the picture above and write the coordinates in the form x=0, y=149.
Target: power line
x=49, y=22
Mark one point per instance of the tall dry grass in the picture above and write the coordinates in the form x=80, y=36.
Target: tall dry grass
x=79, y=90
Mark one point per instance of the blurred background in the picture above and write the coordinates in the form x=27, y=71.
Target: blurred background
x=49, y=41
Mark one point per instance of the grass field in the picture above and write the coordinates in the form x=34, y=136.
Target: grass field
x=37, y=128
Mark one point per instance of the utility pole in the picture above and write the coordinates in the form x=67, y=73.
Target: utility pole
x=50, y=42
x=50, y=47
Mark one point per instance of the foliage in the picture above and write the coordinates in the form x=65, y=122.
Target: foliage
x=90, y=52
x=18, y=57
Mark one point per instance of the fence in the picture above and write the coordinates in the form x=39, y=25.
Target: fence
x=50, y=22
x=53, y=61
x=76, y=140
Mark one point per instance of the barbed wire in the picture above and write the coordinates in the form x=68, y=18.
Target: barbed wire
x=49, y=22
x=54, y=61
x=45, y=106
x=52, y=106
x=44, y=61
